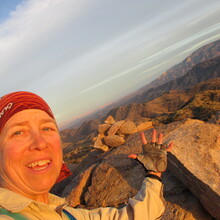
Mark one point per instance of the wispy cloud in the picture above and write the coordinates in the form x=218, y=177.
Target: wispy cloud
x=73, y=51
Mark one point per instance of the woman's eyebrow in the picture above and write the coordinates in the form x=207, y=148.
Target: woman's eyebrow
x=47, y=120
x=22, y=123
x=19, y=124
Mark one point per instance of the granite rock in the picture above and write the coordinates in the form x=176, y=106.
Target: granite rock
x=114, y=140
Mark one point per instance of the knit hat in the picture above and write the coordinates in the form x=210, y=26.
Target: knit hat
x=15, y=102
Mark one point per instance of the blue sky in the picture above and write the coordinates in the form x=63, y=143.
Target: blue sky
x=82, y=54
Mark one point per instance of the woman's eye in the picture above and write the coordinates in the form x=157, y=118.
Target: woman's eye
x=47, y=129
x=17, y=133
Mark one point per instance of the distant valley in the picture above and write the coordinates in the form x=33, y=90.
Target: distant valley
x=184, y=105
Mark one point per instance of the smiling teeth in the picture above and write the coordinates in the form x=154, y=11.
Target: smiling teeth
x=38, y=163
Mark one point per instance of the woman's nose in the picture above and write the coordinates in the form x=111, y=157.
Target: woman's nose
x=37, y=141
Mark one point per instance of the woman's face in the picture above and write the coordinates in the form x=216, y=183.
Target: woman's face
x=30, y=153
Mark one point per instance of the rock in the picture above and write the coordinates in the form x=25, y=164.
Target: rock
x=113, y=182
x=98, y=143
x=113, y=140
x=110, y=120
x=144, y=126
x=115, y=127
x=190, y=209
x=195, y=161
x=120, y=134
x=94, y=139
x=128, y=127
x=180, y=203
x=103, y=128
x=75, y=189
x=216, y=119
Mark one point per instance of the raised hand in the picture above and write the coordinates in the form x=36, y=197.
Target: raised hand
x=154, y=156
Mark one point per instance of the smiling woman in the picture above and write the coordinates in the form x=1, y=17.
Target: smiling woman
x=31, y=154
x=31, y=163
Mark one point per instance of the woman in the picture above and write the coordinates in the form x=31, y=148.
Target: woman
x=31, y=160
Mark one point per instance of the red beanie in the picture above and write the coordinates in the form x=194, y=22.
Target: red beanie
x=15, y=102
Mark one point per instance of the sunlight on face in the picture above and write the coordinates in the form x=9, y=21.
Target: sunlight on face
x=31, y=153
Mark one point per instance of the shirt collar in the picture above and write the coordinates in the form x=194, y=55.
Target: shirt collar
x=15, y=202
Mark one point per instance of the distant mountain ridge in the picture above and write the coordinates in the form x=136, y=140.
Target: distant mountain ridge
x=160, y=103
x=207, y=52
x=202, y=54
x=201, y=72
x=171, y=96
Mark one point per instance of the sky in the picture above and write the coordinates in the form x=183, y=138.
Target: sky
x=80, y=55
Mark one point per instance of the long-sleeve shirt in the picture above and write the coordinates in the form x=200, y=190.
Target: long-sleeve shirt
x=146, y=205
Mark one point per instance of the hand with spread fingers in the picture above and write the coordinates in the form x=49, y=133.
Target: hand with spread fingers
x=154, y=156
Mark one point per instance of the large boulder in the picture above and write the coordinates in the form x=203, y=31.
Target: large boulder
x=113, y=183
x=74, y=191
x=180, y=203
x=195, y=161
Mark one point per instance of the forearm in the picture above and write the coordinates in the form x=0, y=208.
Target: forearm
x=147, y=205
x=149, y=202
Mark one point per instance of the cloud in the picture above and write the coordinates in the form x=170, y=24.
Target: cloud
x=73, y=51
x=29, y=30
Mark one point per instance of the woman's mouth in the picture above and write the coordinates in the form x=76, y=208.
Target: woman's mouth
x=39, y=165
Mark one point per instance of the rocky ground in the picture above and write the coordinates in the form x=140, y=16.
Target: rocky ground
x=191, y=183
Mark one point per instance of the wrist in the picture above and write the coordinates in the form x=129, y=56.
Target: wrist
x=154, y=173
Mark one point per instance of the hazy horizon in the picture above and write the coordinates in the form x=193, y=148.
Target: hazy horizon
x=81, y=55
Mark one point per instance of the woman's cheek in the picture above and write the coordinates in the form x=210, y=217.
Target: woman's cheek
x=14, y=149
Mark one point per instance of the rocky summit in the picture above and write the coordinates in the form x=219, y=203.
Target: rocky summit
x=184, y=105
x=109, y=178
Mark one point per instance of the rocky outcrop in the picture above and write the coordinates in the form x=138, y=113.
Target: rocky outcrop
x=74, y=191
x=203, y=106
x=113, y=133
x=191, y=180
x=180, y=203
x=195, y=161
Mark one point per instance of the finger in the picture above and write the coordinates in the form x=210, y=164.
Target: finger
x=154, y=136
x=170, y=146
x=143, y=138
x=160, y=138
x=133, y=156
